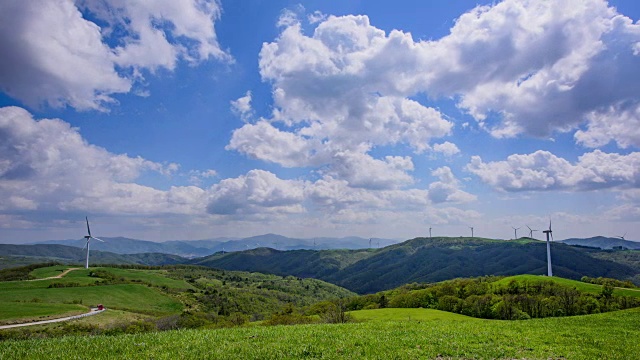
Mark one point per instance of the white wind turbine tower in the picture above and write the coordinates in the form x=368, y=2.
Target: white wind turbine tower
x=471, y=227
x=549, y=234
x=89, y=237
x=515, y=230
x=429, y=232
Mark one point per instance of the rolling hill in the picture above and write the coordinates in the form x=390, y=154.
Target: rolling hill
x=199, y=248
x=70, y=254
x=422, y=260
x=604, y=243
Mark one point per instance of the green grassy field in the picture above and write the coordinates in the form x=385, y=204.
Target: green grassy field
x=602, y=336
x=10, y=312
x=50, y=271
x=153, y=277
x=131, y=297
x=395, y=314
x=586, y=287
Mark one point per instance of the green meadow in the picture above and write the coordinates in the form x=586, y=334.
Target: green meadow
x=10, y=312
x=603, y=336
x=581, y=286
x=399, y=314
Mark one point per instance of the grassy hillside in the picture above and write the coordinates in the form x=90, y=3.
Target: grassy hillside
x=602, y=336
x=518, y=297
x=423, y=260
x=207, y=295
x=399, y=314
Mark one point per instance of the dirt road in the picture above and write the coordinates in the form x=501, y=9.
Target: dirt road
x=57, y=276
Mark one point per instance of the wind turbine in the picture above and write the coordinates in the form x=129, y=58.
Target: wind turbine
x=549, y=234
x=429, y=232
x=515, y=230
x=369, y=243
x=471, y=227
x=531, y=231
x=88, y=237
x=622, y=237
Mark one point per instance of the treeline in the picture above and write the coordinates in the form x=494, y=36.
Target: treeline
x=604, y=281
x=484, y=297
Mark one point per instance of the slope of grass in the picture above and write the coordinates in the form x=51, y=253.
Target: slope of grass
x=586, y=287
x=10, y=312
x=136, y=298
x=610, y=336
x=50, y=271
x=400, y=314
x=153, y=277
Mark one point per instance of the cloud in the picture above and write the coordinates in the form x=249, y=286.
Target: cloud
x=257, y=192
x=331, y=111
x=447, y=188
x=363, y=171
x=48, y=166
x=446, y=148
x=242, y=107
x=265, y=142
x=518, y=67
x=54, y=55
x=618, y=123
x=543, y=171
x=542, y=66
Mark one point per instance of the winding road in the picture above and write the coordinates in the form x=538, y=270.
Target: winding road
x=90, y=313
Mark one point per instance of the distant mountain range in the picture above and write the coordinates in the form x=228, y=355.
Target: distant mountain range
x=602, y=242
x=199, y=248
x=26, y=254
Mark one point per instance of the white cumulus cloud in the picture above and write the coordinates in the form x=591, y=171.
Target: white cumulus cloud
x=47, y=165
x=53, y=54
x=543, y=170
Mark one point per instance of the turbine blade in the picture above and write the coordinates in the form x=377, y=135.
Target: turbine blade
x=88, y=229
x=97, y=239
x=85, y=244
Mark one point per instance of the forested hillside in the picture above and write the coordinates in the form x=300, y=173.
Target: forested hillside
x=423, y=260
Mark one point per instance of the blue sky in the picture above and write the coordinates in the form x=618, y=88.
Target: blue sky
x=198, y=119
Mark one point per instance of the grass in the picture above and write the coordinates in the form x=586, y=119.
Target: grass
x=586, y=287
x=153, y=277
x=602, y=336
x=131, y=297
x=10, y=312
x=50, y=271
x=397, y=314
x=29, y=300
